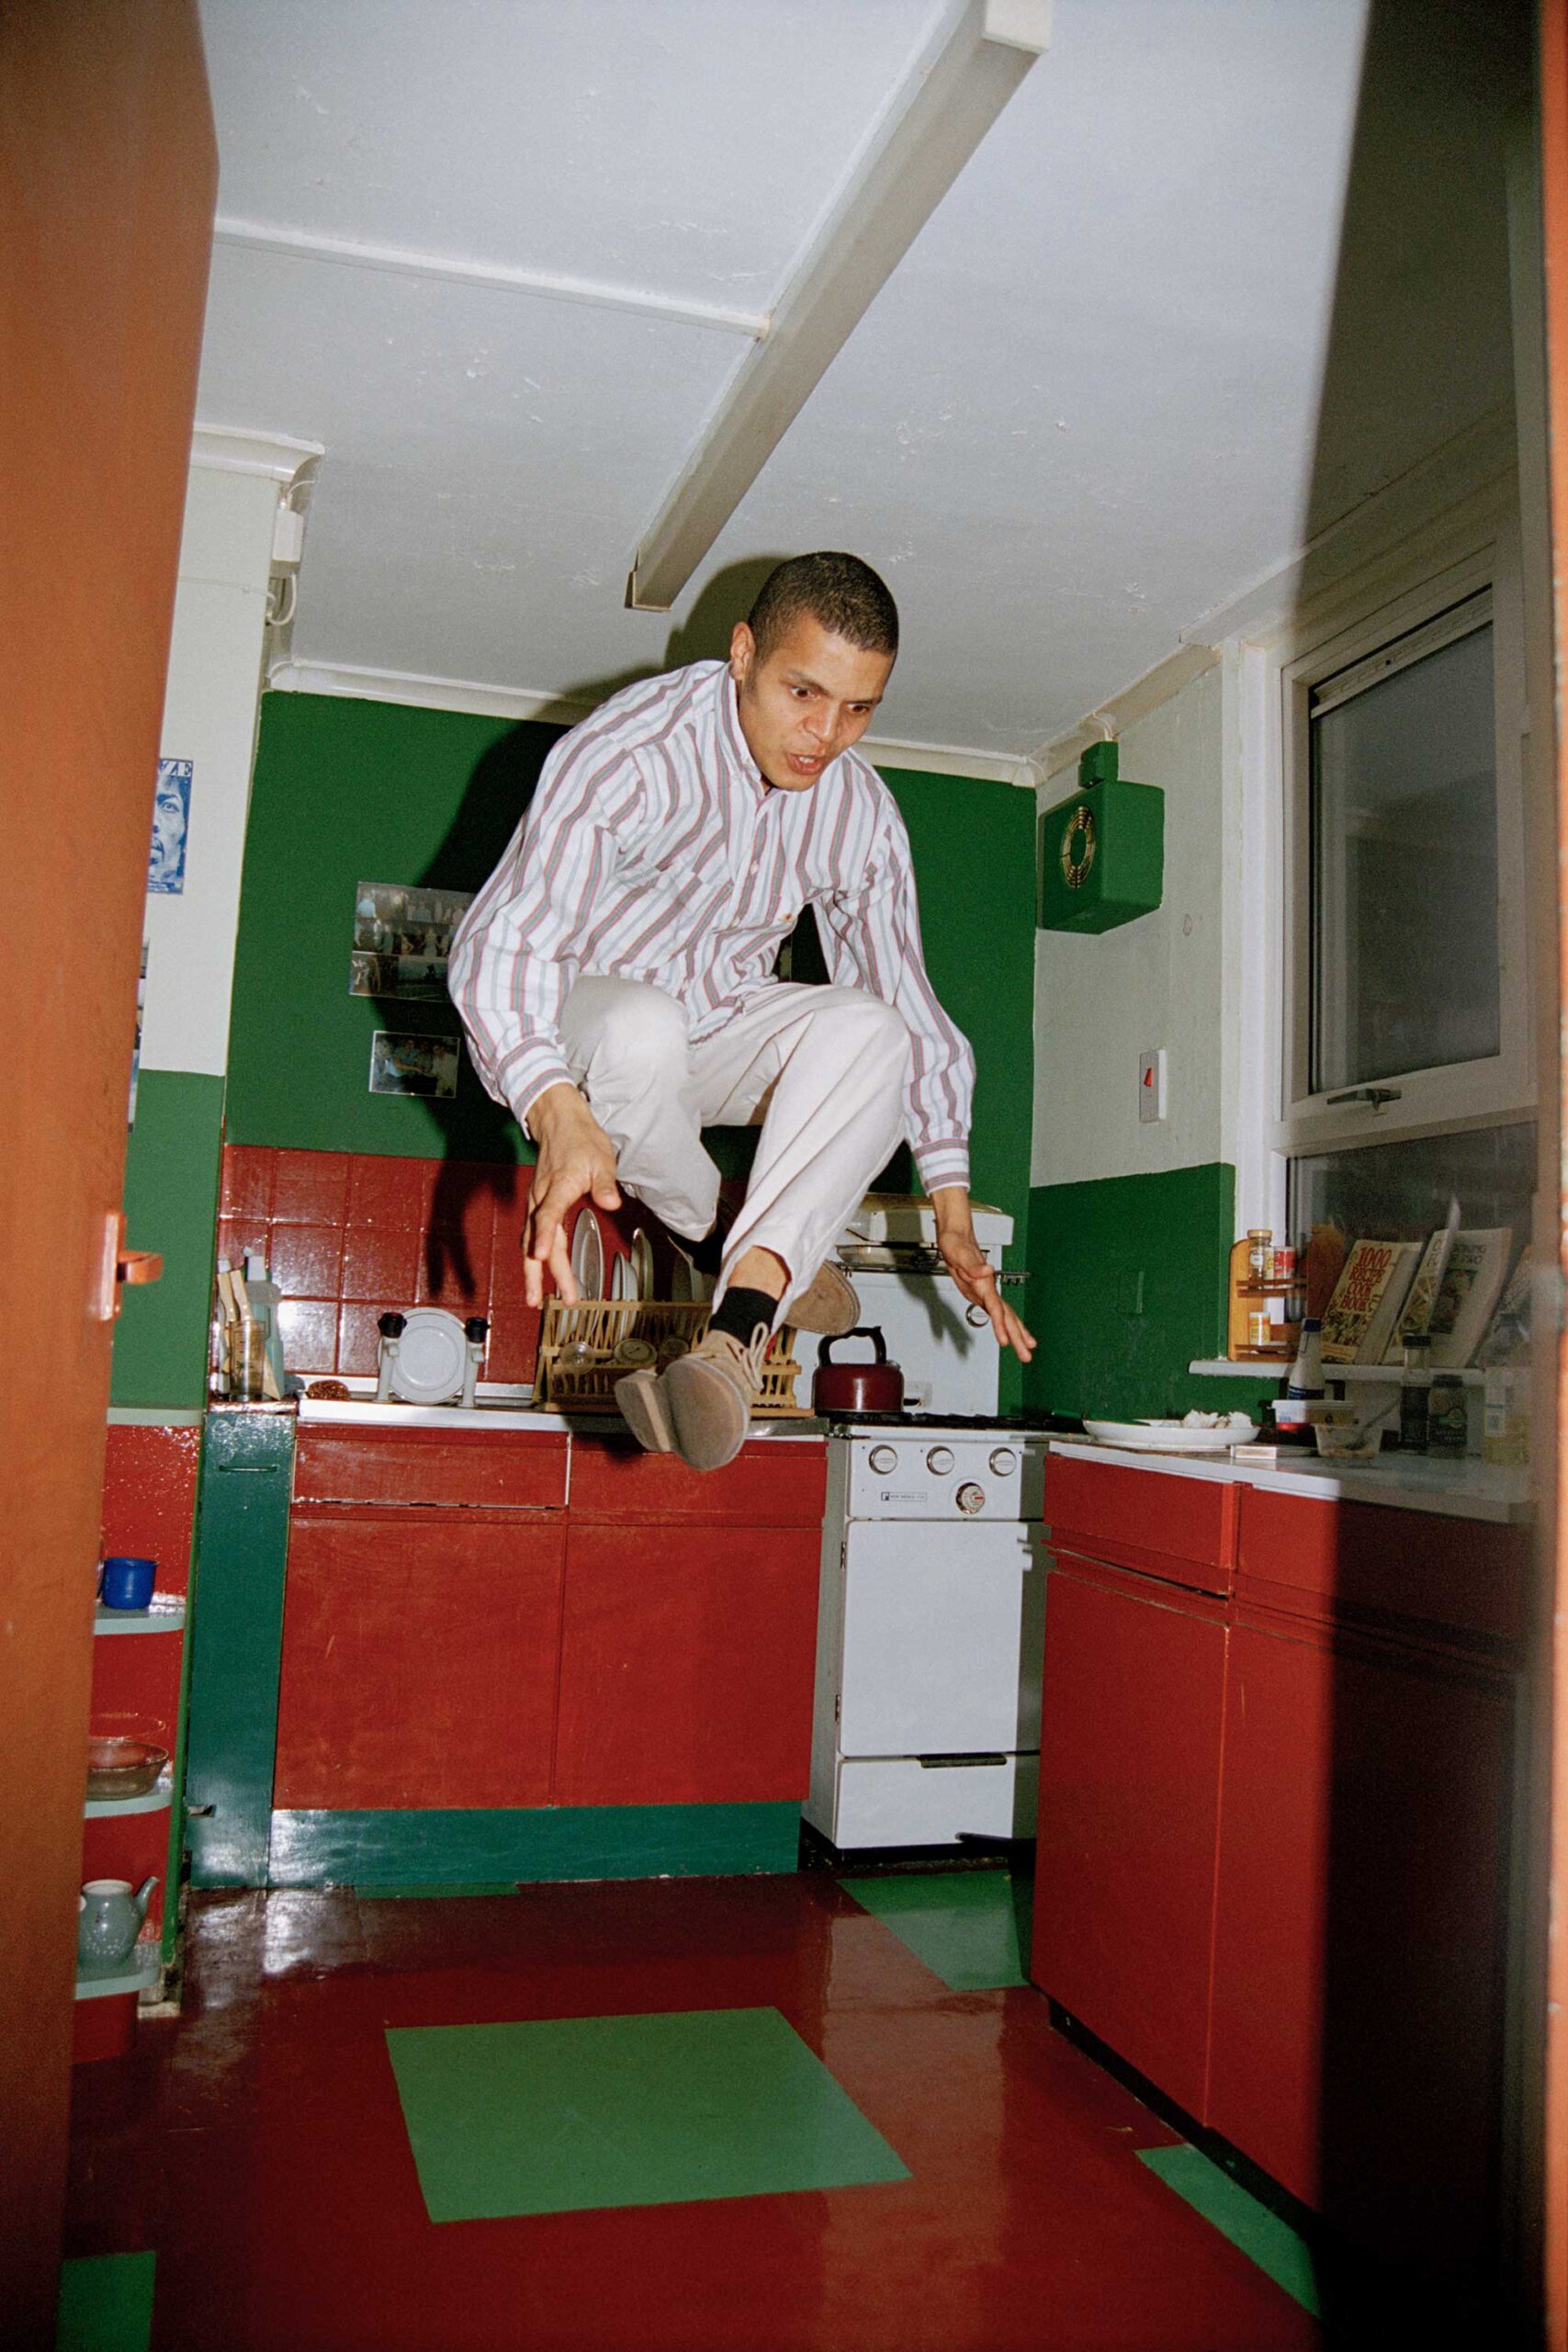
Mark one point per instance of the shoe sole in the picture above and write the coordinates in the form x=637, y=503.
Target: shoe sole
x=828, y=1306
x=646, y=1412
x=708, y=1420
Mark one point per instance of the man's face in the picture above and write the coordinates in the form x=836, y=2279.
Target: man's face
x=812, y=697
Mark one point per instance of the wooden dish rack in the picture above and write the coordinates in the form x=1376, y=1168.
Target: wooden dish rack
x=600, y=1324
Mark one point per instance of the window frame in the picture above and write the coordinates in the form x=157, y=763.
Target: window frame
x=1495, y=1089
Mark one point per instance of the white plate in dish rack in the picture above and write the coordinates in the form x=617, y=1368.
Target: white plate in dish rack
x=587, y=1254
x=1171, y=1437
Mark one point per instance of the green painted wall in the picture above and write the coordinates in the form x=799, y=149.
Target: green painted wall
x=1128, y=1288
x=345, y=792
x=348, y=790
x=171, y=1205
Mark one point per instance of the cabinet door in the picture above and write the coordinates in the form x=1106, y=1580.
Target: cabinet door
x=1360, y=1936
x=934, y=1648
x=1129, y=1793
x=687, y=1660
x=419, y=1660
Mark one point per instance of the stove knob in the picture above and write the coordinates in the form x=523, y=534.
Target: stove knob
x=882, y=1459
x=939, y=1460
x=970, y=1498
x=1003, y=1460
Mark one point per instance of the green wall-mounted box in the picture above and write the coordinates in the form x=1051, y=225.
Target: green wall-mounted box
x=1101, y=850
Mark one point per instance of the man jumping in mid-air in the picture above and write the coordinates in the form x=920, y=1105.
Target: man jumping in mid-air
x=615, y=978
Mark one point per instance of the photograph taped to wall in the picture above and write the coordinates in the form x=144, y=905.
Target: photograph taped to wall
x=171, y=822
x=413, y=1065
x=421, y=978
x=402, y=937
x=405, y=921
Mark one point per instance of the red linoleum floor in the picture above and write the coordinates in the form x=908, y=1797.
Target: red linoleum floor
x=256, y=2144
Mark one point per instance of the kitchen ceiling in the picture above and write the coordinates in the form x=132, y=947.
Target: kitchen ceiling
x=501, y=257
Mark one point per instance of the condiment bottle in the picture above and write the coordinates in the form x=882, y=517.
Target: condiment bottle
x=1447, y=1420
x=1413, y=1397
x=1260, y=1248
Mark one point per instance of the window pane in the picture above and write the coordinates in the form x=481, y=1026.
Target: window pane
x=1400, y=1192
x=1405, y=871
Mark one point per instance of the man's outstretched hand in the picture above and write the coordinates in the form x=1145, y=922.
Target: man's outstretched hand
x=577, y=1161
x=972, y=1271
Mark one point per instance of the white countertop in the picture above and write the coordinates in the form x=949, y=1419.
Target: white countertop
x=1465, y=1487
x=507, y=1412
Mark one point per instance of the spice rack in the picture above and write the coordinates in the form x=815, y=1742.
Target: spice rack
x=1248, y=1295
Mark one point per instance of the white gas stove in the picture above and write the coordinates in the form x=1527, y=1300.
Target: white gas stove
x=930, y=1633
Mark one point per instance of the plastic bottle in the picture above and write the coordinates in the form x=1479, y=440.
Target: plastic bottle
x=1305, y=1379
x=265, y=1298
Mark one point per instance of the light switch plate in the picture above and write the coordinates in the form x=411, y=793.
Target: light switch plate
x=1151, y=1087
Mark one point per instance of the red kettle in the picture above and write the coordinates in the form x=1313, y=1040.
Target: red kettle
x=874, y=1387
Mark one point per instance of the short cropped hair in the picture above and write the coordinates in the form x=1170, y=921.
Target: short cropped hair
x=839, y=590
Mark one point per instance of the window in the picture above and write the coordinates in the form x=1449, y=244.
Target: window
x=1404, y=1021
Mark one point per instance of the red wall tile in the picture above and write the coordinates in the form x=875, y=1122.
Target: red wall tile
x=309, y=1188
x=307, y=1259
x=349, y=1235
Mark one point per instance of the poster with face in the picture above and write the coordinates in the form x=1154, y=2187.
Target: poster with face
x=171, y=818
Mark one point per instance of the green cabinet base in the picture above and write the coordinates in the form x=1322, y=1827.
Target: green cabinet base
x=442, y=1849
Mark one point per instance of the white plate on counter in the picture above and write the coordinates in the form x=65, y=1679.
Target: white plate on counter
x=1172, y=1437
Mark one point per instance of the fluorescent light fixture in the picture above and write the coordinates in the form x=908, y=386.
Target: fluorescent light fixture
x=977, y=55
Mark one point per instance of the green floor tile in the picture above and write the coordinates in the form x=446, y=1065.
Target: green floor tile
x=106, y=2304
x=969, y=1926
x=567, y=2114
x=1262, y=2235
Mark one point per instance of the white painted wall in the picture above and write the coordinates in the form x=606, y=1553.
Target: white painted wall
x=1102, y=1000
x=210, y=717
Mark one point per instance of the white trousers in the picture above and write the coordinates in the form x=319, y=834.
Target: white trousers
x=822, y=1069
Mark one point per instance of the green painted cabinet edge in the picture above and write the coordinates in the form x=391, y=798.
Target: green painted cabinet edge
x=247, y=1476
x=444, y=1847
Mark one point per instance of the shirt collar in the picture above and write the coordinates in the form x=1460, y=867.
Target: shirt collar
x=733, y=737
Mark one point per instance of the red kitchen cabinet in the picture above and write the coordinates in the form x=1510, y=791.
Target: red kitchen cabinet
x=688, y=1654
x=420, y=1656
x=1360, y=1935
x=1128, y=1797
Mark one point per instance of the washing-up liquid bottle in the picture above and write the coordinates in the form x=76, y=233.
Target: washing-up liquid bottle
x=265, y=1298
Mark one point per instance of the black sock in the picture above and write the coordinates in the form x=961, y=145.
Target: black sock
x=706, y=1255
x=739, y=1312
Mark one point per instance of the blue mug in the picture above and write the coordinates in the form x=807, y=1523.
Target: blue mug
x=126, y=1581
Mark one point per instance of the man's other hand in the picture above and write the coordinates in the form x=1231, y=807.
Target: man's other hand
x=972, y=1271
x=577, y=1161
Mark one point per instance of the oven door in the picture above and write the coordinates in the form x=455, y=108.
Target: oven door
x=942, y=1639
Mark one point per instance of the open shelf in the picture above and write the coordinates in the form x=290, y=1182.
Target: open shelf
x=132, y=1976
x=157, y=1799
x=166, y=1614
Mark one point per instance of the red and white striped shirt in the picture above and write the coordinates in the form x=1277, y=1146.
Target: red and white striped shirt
x=653, y=851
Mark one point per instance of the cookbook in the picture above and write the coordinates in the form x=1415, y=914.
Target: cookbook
x=1472, y=1285
x=1365, y=1308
